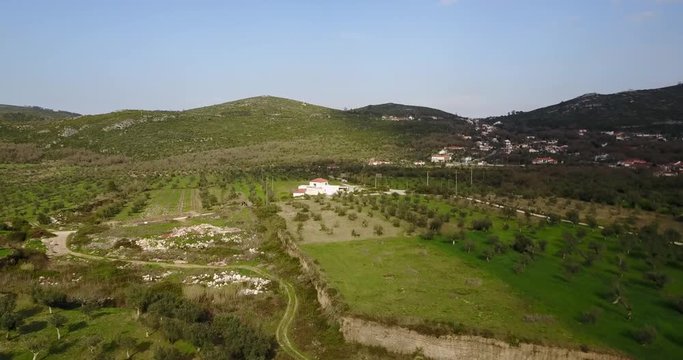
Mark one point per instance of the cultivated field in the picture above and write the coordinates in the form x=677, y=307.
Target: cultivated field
x=324, y=222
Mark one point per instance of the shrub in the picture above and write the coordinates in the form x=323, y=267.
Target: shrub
x=678, y=304
x=435, y=225
x=468, y=245
x=353, y=216
x=301, y=216
x=169, y=353
x=378, y=230
x=590, y=317
x=126, y=243
x=659, y=279
x=427, y=235
x=645, y=335
x=481, y=224
x=523, y=244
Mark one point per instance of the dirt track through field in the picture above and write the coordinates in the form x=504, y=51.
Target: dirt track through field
x=181, y=202
x=57, y=246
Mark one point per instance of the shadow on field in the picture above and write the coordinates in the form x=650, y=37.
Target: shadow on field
x=61, y=346
x=28, y=312
x=674, y=338
x=6, y=355
x=33, y=326
x=143, y=346
x=77, y=326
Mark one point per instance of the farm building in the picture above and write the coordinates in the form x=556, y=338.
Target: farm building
x=441, y=158
x=319, y=186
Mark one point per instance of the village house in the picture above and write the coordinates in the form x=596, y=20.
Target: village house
x=544, y=161
x=319, y=186
x=373, y=162
x=633, y=163
x=441, y=158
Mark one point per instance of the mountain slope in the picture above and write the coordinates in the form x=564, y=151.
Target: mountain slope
x=12, y=112
x=656, y=109
x=258, y=130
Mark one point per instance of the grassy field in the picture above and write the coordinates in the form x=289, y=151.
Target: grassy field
x=407, y=281
x=535, y=298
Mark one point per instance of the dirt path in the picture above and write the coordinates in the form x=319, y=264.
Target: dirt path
x=57, y=247
x=195, y=200
x=181, y=202
x=521, y=211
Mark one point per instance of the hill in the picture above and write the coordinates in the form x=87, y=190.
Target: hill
x=259, y=130
x=404, y=111
x=13, y=112
x=643, y=110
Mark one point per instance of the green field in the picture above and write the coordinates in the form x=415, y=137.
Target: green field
x=407, y=281
x=413, y=281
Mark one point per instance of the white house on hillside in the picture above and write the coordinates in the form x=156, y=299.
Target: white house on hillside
x=319, y=186
x=441, y=158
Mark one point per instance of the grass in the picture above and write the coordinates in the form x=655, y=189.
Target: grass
x=35, y=244
x=4, y=252
x=409, y=280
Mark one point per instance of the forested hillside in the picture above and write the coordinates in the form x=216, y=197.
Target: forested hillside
x=648, y=110
x=262, y=129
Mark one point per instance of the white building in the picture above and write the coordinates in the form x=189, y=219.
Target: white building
x=319, y=186
x=441, y=158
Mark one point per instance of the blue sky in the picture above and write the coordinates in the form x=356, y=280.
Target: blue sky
x=471, y=57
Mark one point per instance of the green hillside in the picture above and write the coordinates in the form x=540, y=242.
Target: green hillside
x=260, y=130
x=12, y=112
x=656, y=109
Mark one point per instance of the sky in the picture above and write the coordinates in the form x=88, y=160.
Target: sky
x=475, y=58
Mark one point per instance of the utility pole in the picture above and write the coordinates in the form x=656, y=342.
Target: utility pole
x=471, y=172
x=427, y=178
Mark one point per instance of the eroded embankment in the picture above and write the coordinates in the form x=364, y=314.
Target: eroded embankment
x=406, y=341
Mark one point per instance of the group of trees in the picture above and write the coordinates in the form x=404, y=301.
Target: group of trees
x=163, y=307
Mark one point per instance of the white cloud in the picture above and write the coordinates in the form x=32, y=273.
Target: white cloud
x=642, y=16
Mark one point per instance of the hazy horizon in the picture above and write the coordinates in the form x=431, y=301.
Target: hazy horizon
x=466, y=57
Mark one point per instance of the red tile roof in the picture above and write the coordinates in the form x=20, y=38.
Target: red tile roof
x=319, y=180
x=299, y=191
